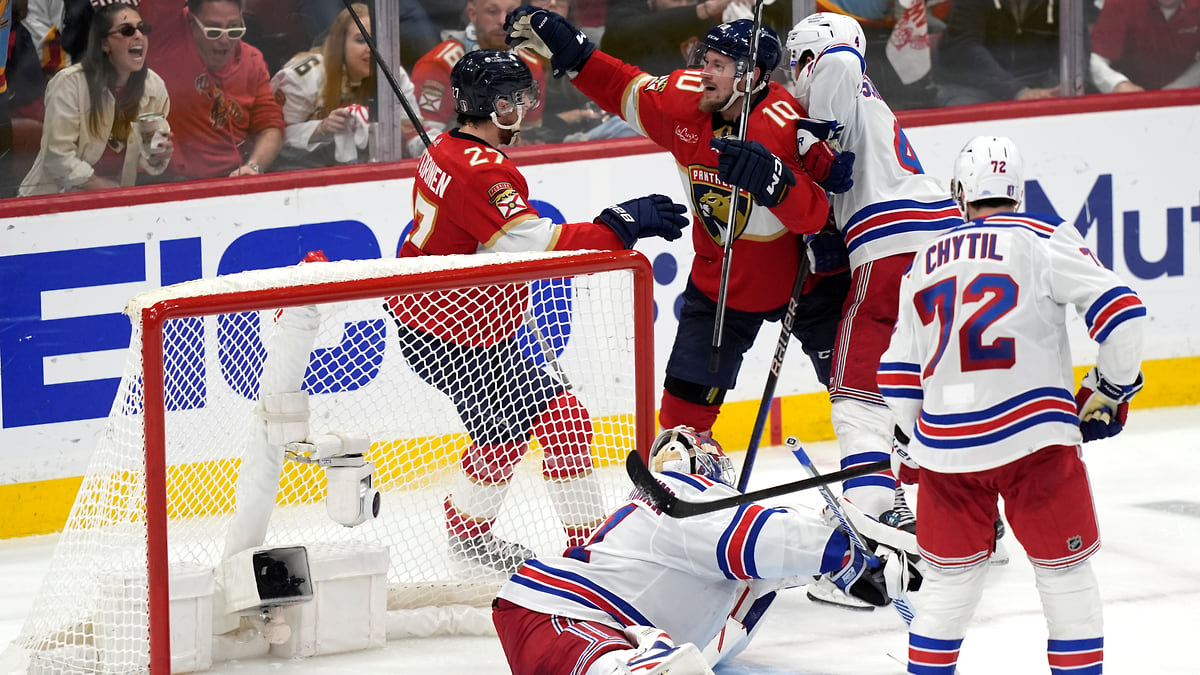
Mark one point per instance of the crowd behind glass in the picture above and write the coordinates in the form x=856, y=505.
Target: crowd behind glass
x=103, y=94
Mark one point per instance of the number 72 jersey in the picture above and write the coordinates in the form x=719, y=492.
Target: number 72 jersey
x=979, y=367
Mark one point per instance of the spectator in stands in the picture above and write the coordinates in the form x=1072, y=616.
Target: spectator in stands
x=223, y=111
x=657, y=36
x=326, y=114
x=418, y=33
x=88, y=141
x=1146, y=44
x=903, y=78
x=567, y=111
x=998, y=50
x=45, y=25
x=431, y=74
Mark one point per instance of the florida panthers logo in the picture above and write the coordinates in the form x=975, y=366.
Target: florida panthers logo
x=711, y=197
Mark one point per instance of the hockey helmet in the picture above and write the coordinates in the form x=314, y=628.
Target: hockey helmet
x=682, y=450
x=733, y=40
x=490, y=82
x=817, y=32
x=988, y=167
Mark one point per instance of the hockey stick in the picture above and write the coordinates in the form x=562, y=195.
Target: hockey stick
x=764, y=406
x=675, y=507
x=901, y=605
x=387, y=73
x=714, y=356
x=547, y=350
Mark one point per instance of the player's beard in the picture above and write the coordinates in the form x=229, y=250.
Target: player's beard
x=507, y=136
x=710, y=105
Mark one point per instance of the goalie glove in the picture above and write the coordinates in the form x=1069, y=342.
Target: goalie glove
x=1103, y=406
x=551, y=37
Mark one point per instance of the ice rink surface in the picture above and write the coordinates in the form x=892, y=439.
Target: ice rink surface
x=1145, y=483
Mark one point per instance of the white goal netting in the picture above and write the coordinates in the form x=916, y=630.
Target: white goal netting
x=535, y=368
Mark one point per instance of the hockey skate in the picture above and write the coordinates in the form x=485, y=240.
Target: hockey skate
x=489, y=551
x=900, y=516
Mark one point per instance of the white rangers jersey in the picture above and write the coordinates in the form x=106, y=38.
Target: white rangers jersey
x=893, y=207
x=683, y=576
x=298, y=87
x=979, y=366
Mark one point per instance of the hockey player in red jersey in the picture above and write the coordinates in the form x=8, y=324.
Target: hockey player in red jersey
x=431, y=73
x=979, y=376
x=692, y=114
x=469, y=198
x=648, y=592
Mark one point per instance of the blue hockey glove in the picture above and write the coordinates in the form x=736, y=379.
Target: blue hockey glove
x=826, y=252
x=753, y=168
x=1103, y=406
x=550, y=36
x=649, y=216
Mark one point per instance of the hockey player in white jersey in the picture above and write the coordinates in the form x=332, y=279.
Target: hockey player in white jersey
x=648, y=591
x=890, y=211
x=979, y=375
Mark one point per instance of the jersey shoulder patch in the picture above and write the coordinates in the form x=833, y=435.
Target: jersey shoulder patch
x=506, y=199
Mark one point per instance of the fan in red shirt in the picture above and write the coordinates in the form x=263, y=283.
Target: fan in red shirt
x=1146, y=44
x=469, y=198
x=431, y=73
x=223, y=111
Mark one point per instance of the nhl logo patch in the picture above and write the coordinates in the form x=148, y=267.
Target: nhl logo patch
x=1074, y=543
x=506, y=199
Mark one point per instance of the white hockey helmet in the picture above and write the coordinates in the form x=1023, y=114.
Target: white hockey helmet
x=988, y=167
x=816, y=32
x=682, y=450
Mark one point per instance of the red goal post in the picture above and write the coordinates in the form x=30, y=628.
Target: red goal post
x=172, y=483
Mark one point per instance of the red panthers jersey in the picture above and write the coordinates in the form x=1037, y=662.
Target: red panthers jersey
x=767, y=248
x=431, y=77
x=469, y=198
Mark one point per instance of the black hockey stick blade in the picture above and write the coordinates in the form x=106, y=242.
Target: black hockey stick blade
x=675, y=507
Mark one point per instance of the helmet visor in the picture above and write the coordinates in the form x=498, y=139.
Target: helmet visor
x=523, y=99
x=700, y=58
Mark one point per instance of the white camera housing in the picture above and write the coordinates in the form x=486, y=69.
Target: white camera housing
x=350, y=498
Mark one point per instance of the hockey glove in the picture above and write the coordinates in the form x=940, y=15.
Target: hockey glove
x=857, y=578
x=833, y=171
x=550, y=36
x=1103, y=406
x=753, y=168
x=904, y=467
x=650, y=216
x=826, y=251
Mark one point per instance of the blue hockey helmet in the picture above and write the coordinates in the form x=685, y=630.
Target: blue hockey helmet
x=682, y=450
x=733, y=40
x=488, y=82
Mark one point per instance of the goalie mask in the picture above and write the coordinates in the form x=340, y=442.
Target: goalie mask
x=487, y=83
x=988, y=167
x=681, y=450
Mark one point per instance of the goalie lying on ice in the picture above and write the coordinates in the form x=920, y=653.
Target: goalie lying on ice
x=651, y=592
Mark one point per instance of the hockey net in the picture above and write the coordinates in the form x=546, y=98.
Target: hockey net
x=187, y=471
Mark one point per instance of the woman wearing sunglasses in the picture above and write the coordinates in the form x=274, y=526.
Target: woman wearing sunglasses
x=224, y=113
x=88, y=140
